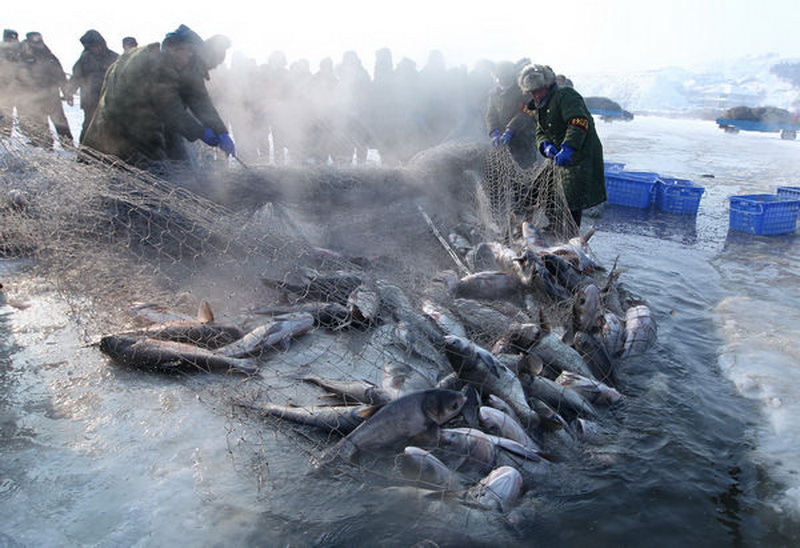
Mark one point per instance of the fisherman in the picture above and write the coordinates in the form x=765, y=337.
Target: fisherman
x=506, y=122
x=147, y=94
x=565, y=133
x=88, y=72
x=42, y=79
x=10, y=56
x=210, y=54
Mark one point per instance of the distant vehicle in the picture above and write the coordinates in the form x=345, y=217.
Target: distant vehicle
x=607, y=109
x=766, y=119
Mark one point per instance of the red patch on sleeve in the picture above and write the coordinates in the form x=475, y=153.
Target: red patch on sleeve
x=580, y=122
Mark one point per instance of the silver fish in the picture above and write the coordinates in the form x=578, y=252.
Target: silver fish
x=398, y=422
x=594, y=391
x=206, y=335
x=478, y=366
x=591, y=348
x=590, y=310
x=422, y=468
x=640, y=330
x=559, y=397
x=307, y=283
x=340, y=419
x=144, y=352
x=360, y=391
x=490, y=285
x=499, y=423
x=498, y=491
x=274, y=334
x=560, y=356
x=364, y=303
x=151, y=313
x=612, y=333
x=446, y=320
x=469, y=448
x=333, y=316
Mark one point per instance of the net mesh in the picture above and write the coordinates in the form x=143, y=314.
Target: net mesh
x=107, y=235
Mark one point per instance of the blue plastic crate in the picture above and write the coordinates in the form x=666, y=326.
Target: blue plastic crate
x=763, y=214
x=678, y=195
x=789, y=191
x=613, y=167
x=631, y=188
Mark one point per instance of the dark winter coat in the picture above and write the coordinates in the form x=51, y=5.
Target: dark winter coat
x=145, y=97
x=87, y=75
x=564, y=119
x=505, y=111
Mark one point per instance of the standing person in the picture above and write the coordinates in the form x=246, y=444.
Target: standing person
x=88, y=72
x=42, y=80
x=10, y=57
x=565, y=132
x=144, y=98
x=506, y=122
x=129, y=43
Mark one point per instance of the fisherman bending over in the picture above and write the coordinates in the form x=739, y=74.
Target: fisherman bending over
x=148, y=96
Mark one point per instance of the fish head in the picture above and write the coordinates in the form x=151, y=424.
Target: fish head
x=441, y=405
x=505, y=485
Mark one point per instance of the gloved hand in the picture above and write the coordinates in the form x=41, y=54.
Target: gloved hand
x=70, y=100
x=505, y=138
x=548, y=149
x=495, y=135
x=564, y=156
x=226, y=144
x=209, y=137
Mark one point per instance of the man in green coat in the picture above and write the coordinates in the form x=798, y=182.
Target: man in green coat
x=565, y=132
x=145, y=99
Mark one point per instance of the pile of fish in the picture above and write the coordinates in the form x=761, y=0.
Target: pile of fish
x=476, y=376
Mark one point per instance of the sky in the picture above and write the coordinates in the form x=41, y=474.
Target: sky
x=579, y=36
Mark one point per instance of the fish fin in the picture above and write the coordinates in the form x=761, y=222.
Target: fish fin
x=368, y=411
x=204, y=313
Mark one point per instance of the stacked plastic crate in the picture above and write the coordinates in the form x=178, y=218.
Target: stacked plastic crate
x=766, y=214
x=644, y=189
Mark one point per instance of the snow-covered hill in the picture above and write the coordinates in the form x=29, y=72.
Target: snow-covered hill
x=706, y=91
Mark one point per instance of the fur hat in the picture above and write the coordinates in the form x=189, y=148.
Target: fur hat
x=9, y=34
x=92, y=37
x=535, y=77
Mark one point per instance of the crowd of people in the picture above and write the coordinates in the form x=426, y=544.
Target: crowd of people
x=145, y=105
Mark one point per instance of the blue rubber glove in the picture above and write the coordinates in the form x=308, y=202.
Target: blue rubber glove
x=505, y=138
x=226, y=144
x=548, y=149
x=495, y=135
x=209, y=137
x=564, y=156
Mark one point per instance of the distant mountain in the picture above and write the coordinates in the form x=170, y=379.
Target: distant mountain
x=704, y=92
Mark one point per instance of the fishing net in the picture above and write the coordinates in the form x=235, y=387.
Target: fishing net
x=107, y=235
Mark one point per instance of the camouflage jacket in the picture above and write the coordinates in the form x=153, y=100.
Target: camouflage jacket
x=143, y=98
x=564, y=119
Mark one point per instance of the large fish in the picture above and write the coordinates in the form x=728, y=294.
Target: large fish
x=498, y=491
x=479, y=367
x=591, y=348
x=491, y=285
x=612, y=333
x=485, y=321
x=499, y=423
x=415, y=342
x=151, y=313
x=422, y=468
x=206, y=335
x=559, y=397
x=307, y=283
x=556, y=354
x=595, y=392
x=403, y=310
x=398, y=422
x=640, y=330
x=364, y=303
x=360, y=391
x=274, y=334
x=147, y=353
x=479, y=449
x=443, y=318
x=333, y=316
x=590, y=309
x=340, y=419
